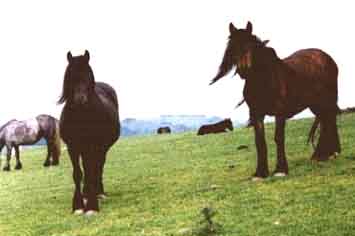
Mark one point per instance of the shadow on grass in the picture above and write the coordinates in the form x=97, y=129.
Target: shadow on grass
x=350, y=157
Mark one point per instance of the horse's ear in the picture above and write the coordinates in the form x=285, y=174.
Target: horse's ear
x=69, y=57
x=232, y=28
x=87, y=55
x=249, y=27
x=265, y=42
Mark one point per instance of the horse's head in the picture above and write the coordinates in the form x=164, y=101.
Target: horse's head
x=79, y=80
x=229, y=124
x=237, y=54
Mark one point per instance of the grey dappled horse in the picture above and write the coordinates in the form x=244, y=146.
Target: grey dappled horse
x=27, y=132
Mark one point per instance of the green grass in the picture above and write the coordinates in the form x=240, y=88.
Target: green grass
x=159, y=184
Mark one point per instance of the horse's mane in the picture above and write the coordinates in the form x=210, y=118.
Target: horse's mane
x=256, y=39
x=227, y=61
x=3, y=126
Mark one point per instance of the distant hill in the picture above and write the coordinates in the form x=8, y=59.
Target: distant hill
x=177, y=123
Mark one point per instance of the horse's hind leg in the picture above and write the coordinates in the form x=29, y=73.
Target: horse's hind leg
x=328, y=143
x=281, y=166
x=8, y=158
x=18, y=161
x=101, y=192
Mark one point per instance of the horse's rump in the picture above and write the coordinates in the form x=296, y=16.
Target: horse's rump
x=315, y=71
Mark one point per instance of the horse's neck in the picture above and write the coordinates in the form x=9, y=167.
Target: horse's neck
x=94, y=107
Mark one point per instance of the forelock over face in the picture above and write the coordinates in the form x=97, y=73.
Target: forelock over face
x=79, y=79
x=239, y=39
x=238, y=43
x=78, y=68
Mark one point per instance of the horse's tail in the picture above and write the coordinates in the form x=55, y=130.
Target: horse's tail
x=56, y=143
x=313, y=130
x=240, y=103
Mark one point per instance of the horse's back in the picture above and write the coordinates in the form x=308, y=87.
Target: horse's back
x=22, y=132
x=105, y=90
x=313, y=63
x=108, y=96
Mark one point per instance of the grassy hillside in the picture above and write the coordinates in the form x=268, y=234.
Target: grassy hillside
x=159, y=184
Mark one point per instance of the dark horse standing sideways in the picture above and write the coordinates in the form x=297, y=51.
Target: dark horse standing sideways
x=283, y=88
x=27, y=132
x=218, y=127
x=164, y=130
x=89, y=125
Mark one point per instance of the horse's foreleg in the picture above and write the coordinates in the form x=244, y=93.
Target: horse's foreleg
x=91, y=167
x=8, y=158
x=47, y=162
x=78, y=203
x=262, y=169
x=18, y=162
x=281, y=166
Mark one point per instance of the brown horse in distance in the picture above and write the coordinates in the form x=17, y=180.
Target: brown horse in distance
x=218, y=127
x=164, y=130
x=283, y=88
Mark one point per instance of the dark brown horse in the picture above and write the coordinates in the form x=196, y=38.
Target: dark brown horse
x=283, y=88
x=89, y=125
x=218, y=127
x=164, y=130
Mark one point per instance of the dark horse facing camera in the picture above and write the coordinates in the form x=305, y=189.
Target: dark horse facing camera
x=89, y=125
x=282, y=88
x=218, y=127
x=164, y=130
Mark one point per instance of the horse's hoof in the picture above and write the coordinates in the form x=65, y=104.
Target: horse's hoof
x=102, y=196
x=6, y=168
x=91, y=213
x=78, y=212
x=55, y=163
x=280, y=174
x=257, y=179
x=18, y=167
x=46, y=164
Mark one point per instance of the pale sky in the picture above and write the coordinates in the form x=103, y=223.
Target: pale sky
x=158, y=55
